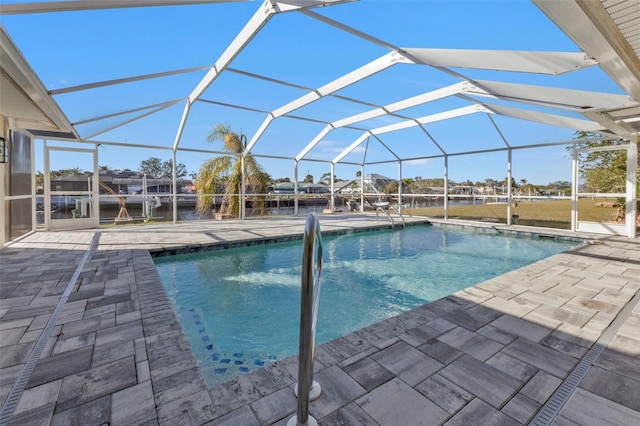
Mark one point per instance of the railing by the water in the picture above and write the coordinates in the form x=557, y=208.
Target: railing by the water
x=306, y=389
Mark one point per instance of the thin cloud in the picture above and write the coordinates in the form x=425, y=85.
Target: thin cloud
x=418, y=162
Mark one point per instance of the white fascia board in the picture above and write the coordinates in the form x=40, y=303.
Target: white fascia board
x=631, y=113
x=289, y=5
x=549, y=96
x=446, y=115
x=354, y=76
x=553, y=63
x=27, y=124
x=351, y=147
x=619, y=128
x=541, y=117
x=20, y=72
x=67, y=6
x=598, y=37
x=248, y=32
x=314, y=142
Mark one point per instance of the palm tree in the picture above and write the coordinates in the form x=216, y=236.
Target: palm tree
x=227, y=171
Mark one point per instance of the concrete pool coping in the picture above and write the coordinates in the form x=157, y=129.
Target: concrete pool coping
x=496, y=351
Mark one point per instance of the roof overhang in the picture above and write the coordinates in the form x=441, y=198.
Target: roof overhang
x=607, y=34
x=25, y=100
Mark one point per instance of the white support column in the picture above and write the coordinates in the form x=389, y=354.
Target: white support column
x=509, y=189
x=574, y=190
x=243, y=190
x=632, y=185
x=3, y=172
x=34, y=190
x=47, y=187
x=388, y=60
x=400, y=186
x=296, y=193
x=95, y=189
x=183, y=121
x=362, y=188
x=333, y=195
x=174, y=189
x=446, y=187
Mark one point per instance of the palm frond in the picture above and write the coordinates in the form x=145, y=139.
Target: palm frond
x=211, y=173
x=229, y=167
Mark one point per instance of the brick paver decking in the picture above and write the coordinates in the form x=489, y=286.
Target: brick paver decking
x=490, y=354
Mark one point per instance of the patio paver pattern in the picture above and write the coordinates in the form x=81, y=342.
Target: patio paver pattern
x=491, y=354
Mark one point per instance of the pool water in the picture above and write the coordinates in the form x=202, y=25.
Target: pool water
x=240, y=307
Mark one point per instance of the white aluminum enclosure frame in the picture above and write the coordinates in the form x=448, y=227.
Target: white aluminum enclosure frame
x=93, y=221
x=629, y=226
x=588, y=24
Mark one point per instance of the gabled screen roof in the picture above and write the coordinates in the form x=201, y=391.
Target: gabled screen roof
x=292, y=75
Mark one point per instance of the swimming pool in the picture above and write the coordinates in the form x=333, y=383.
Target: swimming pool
x=240, y=307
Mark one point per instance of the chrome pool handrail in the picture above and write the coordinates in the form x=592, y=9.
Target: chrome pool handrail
x=394, y=208
x=380, y=209
x=306, y=388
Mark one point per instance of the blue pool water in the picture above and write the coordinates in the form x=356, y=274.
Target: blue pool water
x=240, y=307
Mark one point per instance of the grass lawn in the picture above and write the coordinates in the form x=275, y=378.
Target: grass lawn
x=550, y=214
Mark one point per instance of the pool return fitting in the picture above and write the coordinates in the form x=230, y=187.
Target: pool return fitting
x=306, y=389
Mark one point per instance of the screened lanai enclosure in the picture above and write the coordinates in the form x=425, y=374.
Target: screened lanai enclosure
x=107, y=106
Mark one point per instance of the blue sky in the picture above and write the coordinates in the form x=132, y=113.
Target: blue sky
x=68, y=49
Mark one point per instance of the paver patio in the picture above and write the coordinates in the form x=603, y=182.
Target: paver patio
x=491, y=354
